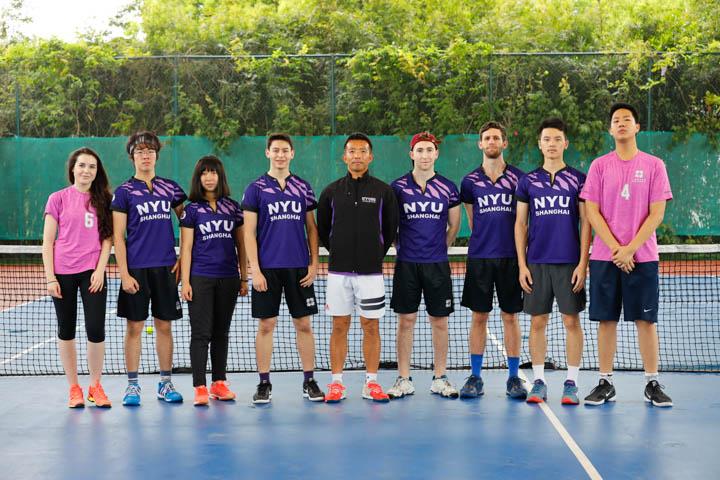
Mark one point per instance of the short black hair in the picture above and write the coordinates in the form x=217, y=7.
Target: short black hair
x=279, y=136
x=143, y=137
x=213, y=164
x=358, y=136
x=553, y=122
x=492, y=124
x=622, y=105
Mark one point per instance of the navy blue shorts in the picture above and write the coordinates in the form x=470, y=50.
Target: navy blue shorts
x=637, y=293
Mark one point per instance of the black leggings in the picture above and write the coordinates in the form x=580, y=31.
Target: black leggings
x=210, y=315
x=93, y=306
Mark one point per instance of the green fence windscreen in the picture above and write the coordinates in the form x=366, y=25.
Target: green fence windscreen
x=35, y=167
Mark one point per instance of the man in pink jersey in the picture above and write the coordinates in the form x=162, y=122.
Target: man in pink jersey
x=625, y=195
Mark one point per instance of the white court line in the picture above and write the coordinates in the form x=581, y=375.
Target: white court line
x=569, y=441
x=27, y=350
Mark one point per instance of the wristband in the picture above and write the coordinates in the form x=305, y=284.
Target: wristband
x=52, y=281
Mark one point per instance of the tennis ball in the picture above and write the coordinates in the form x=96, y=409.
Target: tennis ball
x=149, y=329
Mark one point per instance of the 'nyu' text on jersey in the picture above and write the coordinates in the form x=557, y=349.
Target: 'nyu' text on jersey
x=424, y=217
x=281, y=220
x=213, y=251
x=150, y=236
x=493, y=233
x=553, y=236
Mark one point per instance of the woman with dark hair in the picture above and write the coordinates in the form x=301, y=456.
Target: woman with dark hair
x=211, y=250
x=76, y=246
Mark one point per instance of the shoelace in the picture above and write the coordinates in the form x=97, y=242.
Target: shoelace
x=76, y=393
x=336, y=388
x=132, y=389
x=167, y=387
x=375, y=388
x=98, y=392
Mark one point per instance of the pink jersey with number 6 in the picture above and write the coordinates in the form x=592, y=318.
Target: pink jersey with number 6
x=624, y=191
x=77, y=247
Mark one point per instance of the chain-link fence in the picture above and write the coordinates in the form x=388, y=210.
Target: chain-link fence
x=385, y=91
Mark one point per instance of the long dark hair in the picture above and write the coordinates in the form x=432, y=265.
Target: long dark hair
x=100, y=196
x=213, y=164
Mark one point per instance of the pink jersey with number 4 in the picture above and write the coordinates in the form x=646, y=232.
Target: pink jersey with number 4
x=624, y=191
x=77, y=247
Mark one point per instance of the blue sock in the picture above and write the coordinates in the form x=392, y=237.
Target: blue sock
x=513, y=366
x=165, y=375
x=476, y=363
x=133, y=377
x=265, y=377
x=308, y=374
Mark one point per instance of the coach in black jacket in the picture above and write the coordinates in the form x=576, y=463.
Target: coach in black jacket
x=357, y=222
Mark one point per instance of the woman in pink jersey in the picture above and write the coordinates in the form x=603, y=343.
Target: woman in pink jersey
x=76, y=246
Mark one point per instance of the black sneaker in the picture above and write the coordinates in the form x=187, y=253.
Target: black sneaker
x=655, y=395
x=312, y=392
x=604, y=392
x=263, y=394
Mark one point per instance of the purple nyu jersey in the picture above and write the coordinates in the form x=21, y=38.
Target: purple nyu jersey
x=553, y=236
x=281, y=220
x=493, y=233
x=213, y=251
x=150, y=237
x=424, y=218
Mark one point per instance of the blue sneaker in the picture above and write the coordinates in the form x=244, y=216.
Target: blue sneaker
x=538, y=394
x=516, y=388
x=473, y=387
x=167, y=392
x=132, y=395
x=570, y=393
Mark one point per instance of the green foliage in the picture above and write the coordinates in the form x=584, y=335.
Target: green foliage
x=407, y=65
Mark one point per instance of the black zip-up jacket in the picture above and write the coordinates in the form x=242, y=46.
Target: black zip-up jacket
x=357, y=223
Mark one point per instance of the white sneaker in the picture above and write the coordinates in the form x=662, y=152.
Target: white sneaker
x=442, y=386
x=402, y=386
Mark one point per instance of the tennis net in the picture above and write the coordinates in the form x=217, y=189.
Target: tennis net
x=689, y=324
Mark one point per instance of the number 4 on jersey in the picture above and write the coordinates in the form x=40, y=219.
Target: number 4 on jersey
x=625, y=193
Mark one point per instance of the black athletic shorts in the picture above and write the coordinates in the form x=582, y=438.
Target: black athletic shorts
x=637, y=293
x=93, y=306
x=300, y=300
x=157, y=285
x=553, y=281
x=432, y=280
x=485, y=273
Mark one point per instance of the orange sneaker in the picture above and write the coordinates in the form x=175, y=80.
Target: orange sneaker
x=97, y=395
x=76, y=397
x=336, y=392
x=373, y=391
x=219, y=391
x=201, y=396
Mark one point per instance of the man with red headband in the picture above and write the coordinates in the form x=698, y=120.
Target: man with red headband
x=429, y=221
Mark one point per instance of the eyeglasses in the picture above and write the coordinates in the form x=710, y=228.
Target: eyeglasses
x=142, y=153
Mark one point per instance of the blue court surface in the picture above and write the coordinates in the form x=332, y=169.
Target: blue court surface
x=422, y=436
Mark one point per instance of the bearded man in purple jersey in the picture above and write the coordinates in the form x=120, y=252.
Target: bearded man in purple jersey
x=489, y=196
x=147, y=261
x=429, y=221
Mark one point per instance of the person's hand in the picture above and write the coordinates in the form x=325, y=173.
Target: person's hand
x=186, y=292
x=526, y=280
x=308, y=279
x=243, y=288
x=259, y=281
x=97, y=280
x=176, y=270
x=622, y=257
x=578, y=278
x=130, y=285
x=53, y=289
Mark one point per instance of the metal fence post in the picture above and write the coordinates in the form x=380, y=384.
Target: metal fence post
x=649, y=96
x=17, y=108
x=490, y=90
x=332, y=95
x=175, y=90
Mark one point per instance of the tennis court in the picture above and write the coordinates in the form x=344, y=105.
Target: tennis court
x=418, y=437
